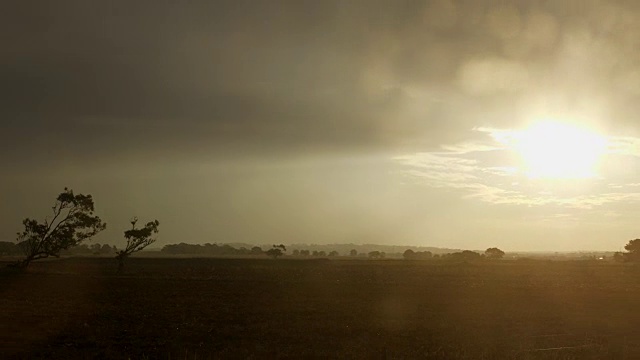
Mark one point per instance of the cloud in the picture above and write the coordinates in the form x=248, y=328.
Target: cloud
x=229, y=77
x=198, y=75
x=479, y=169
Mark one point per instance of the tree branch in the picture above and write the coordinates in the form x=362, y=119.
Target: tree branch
x=69, y=214
x=57, y=210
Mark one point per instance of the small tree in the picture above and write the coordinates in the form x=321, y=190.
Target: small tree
x=409, y=254
x=72, y=222
x=333, y=253
x=137, y=239
x=494, y=253
x=353, y=252
x=276, y=251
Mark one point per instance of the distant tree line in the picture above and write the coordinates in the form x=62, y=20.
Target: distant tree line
x=209, y=249
x=93, y=249
x=280, y=250
x=225, y=250
x=417, y=255
x=465, y=255
x=315, y=253
x=12, y=249
x=377, y=255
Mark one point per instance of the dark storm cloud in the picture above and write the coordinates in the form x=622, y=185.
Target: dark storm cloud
x=201, y=76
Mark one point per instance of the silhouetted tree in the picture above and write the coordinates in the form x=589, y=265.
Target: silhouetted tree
x=304, y=252
x=618, y=257
x=353, y=252
x=417, y=255
x=137, y=239
x=333, y=253
x=296, y=252
x=81, y=249
x=375, y=255
x=465, y=255
x=494, y=253
x=256, y=250
x=276, y=251
x=95, y=248
x=315, y=253
x=9, y=248
x=633, y=248
x=72, y=222
x=106, y=249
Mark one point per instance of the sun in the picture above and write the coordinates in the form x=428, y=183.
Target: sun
x=556, y=150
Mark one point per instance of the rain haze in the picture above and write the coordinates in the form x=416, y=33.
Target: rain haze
x=458, y=124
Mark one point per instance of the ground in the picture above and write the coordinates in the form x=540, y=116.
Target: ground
x=174, y=308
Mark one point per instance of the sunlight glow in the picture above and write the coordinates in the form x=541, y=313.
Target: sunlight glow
x=555, y=150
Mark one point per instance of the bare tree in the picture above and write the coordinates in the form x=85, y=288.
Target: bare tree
x=72, y=222
x=137, y=239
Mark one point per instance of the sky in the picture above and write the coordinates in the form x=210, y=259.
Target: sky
x=450, y=123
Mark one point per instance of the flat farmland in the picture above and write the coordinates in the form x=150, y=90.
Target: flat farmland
x=170, y=308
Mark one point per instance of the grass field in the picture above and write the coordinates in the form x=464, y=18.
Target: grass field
x=263, y=308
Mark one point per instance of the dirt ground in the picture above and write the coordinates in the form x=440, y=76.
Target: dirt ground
x=167, y=308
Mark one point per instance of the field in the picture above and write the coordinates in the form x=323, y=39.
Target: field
x=262, y=308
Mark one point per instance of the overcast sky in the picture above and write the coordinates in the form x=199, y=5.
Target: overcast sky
x=320, y=121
